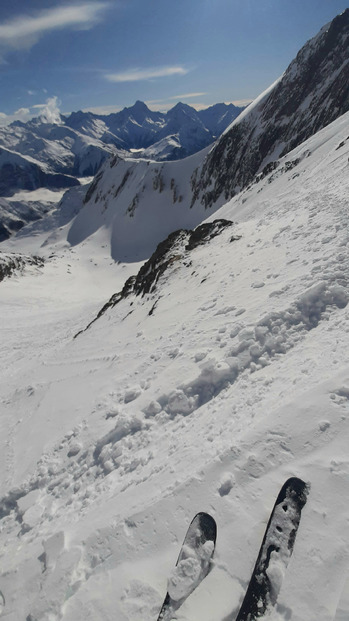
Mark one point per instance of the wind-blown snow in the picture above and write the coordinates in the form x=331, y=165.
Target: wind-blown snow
x=111, y=442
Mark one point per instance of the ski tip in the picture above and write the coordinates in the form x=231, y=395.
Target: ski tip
x=295, y=487
x=207, y=525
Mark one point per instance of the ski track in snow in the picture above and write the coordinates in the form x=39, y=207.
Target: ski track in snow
x=111, y=442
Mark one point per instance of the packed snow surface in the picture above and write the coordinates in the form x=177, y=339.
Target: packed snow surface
x=238, y=379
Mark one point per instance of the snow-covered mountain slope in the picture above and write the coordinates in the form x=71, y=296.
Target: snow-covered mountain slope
x=20, y=172
x=136, y=126
x=137, y=203
x=313, y=91
x=141, y=202
x=57, y=146
x=218, y=117
x=11, y=263
x=184, y=122
x=204, y=394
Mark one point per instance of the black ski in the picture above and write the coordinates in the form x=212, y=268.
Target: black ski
x=193, y=563
x=275, y=551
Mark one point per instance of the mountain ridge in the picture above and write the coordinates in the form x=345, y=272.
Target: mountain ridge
x=313, y=91
x=78, y=145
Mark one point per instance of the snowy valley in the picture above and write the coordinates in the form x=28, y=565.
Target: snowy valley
x=144, y=383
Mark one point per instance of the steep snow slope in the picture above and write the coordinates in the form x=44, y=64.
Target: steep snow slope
x=313, y=91
x=137, y=203
x=237, y=379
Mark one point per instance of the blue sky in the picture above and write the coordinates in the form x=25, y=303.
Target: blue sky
x=103, y=55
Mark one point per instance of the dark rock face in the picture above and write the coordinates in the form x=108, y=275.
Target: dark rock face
x=312, y=93
x=16, y=214
x=11, y=263
x=175, y=247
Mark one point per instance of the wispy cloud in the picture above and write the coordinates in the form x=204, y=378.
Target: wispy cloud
x=188, y=95
x=163, y=105
x=149, y=73
x=240, y=102
x=24, y=31
x=103, y=109
x=49, y=113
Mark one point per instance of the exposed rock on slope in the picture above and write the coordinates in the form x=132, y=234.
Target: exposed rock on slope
x=312, y=93
x=176, y=247
x=11, y=263
x=14, y=215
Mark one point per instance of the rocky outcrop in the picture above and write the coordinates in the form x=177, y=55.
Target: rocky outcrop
x=11, y=263
x=14, y=215
x=175, y=248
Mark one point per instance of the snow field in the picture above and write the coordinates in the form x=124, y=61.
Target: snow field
x=113, y=441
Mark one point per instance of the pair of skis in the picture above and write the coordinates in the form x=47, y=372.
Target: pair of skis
x=195, y=558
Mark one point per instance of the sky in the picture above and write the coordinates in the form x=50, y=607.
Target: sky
x=103, y=55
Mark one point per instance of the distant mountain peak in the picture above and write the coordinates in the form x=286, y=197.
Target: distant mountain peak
x=181, y=106
x=139, y=105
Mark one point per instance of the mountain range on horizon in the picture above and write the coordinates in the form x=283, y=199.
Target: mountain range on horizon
x=77, y=144
x=138, y=127
x=59, y=154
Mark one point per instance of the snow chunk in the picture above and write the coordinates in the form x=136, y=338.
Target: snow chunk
x=74, y=449
x=188, y=572
x=179, y=403
x=226, y=484
x=132, y=393
x=53, y=547
x=258, y=284
x=275, y=573
x=152, y=409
